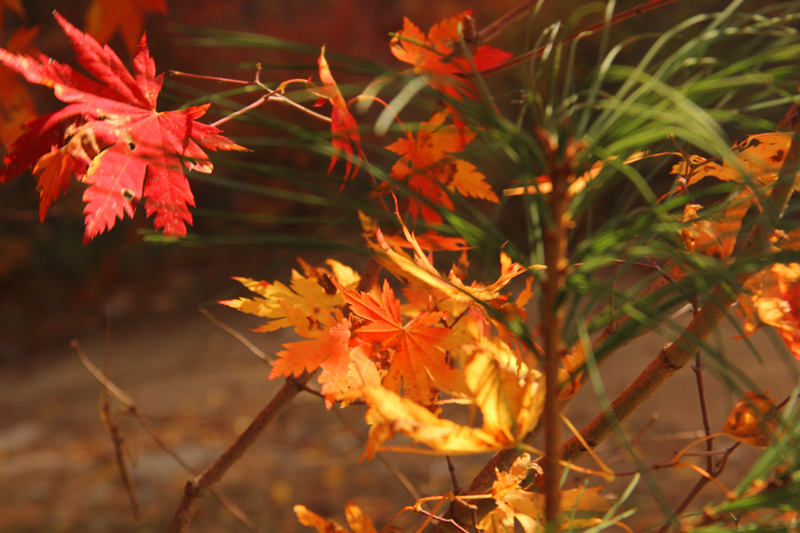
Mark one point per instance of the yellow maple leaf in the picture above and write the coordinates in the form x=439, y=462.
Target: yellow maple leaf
x=356, y=519
x=310, y=303
x=106, y=17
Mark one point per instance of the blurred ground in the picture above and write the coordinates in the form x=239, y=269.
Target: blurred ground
x=201, y=388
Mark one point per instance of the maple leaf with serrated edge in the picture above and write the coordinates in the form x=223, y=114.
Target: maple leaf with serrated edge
x=427, y=166
x=439, y=55
x=106, y=17
x=417, y=363
x=333, y=352
x=309, y=304
x=112, y=138
x=343, y=126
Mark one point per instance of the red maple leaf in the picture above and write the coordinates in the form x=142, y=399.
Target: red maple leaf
x=439, y=55
x=343, y=126
x=111, y=137
x=413, y=351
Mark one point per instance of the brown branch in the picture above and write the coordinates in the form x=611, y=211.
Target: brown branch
x=555, y=257
x=197, y=487
x=498, y=26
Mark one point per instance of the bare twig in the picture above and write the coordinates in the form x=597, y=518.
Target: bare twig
x=529, y=6
x=112, y=426
x=499, y=26
x=714, y=473
x=382, y=457
x=144, y=420
x=238, y=336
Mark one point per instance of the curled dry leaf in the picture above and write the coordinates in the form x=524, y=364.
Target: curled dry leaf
x=715, y=235
x=509, y=394
x=773, y=297
x=753, y=420
x=760, y=155
x=582, y=507
x=344, y=128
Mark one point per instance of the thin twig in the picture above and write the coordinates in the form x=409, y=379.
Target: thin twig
x=638, y=10
x=452, y=469
x=238, y=336
x=699, y=486
x=148, y=426
x=499, y=26
x=382, y=457
x=112, y=426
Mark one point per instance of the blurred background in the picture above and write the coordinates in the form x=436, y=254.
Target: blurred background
x=201, y=386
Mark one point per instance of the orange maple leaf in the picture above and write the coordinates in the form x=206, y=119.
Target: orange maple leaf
x=775, y=299
x=439, y=55
x=334, y=352
x=343, y=126
x=428, y=167
x=412, y=353
x=106, y=17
